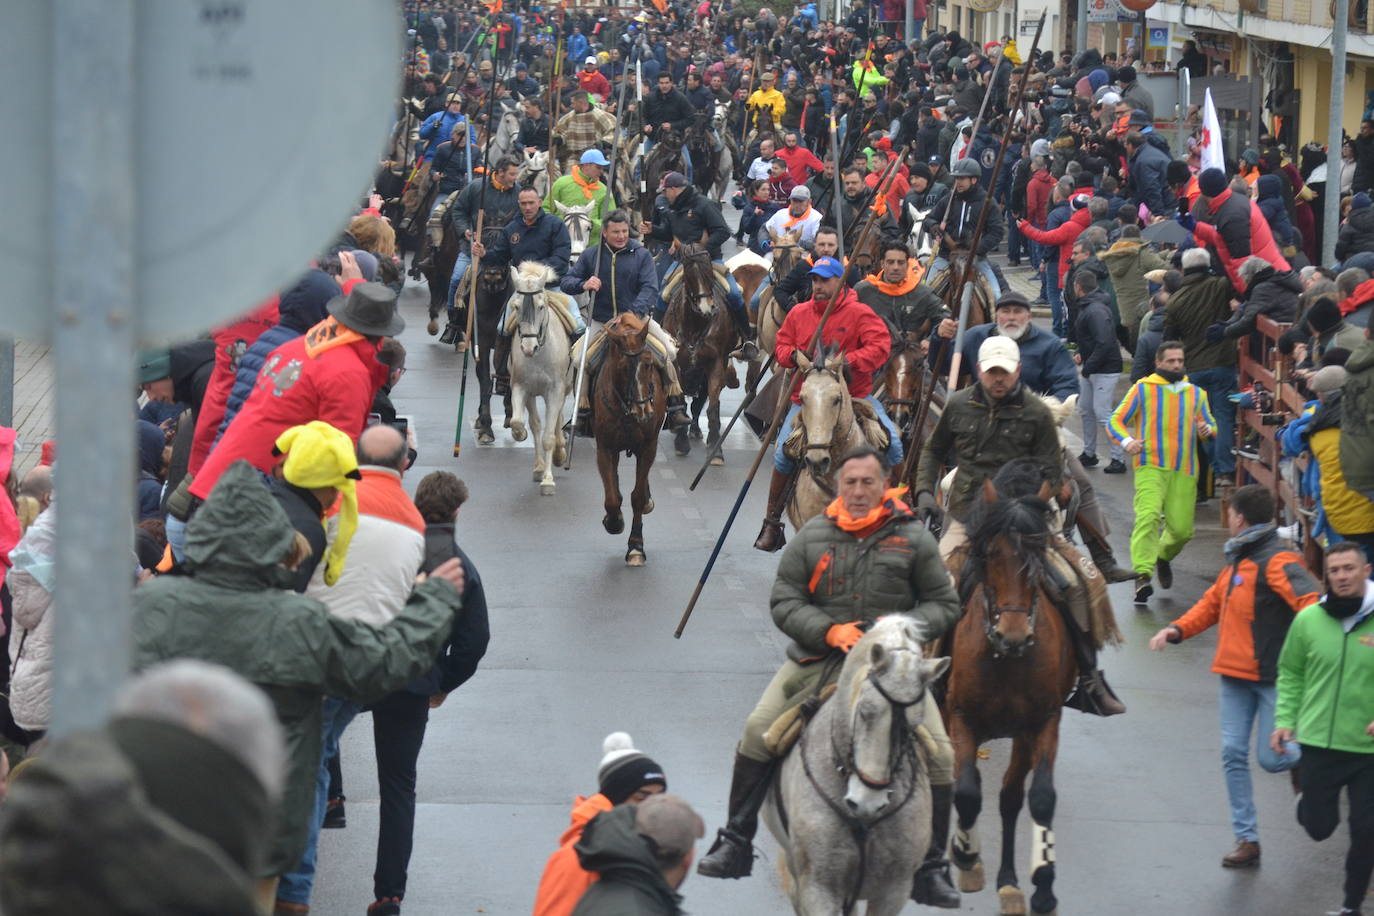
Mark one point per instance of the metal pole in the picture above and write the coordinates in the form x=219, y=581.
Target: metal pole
x=909, y=27
x=6, y=381
x=1080, y=28
x=96, y=332
x=1331, y=206
x=1185, y=99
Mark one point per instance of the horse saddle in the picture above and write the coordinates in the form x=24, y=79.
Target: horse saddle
x=787, y=728
x=1082, y=589
x=675, y=281
x=873, y=428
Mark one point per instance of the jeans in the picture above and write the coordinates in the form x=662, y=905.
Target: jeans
x=1242, y=702
x=1220, y=383
x=735, y=298
x=176, y=537
x=296, y=885
x=1059, y=317
x=983, y=266
x=460, y=267
x=785, y=465
x=1324, y=773
x=398, y=729
x=686, y=158
x=1096, y=401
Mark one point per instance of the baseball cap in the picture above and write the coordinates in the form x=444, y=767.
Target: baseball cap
x=827, y=267
x=590, y=60
x=521, y=65
x=999, y=353
x=674, y=180
x=936, y=160
x=593, y=157
x=800, y=192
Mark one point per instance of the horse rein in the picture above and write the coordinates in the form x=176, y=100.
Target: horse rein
x=992, y=614
x=527, y=306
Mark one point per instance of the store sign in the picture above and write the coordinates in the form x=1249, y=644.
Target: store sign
x=1029, y=20
x=1157, y=39
x=1103, y=10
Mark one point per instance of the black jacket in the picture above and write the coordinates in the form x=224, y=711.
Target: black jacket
x=1271, y=293
x=632, y=883
x=672, y=108
x=963, y=221
x=1357, y=234
x=795, y=287
x=535, y=133
x=306, y=516
x=451, y=160
x=471, y=631
x=692, y=216
x=1096, y=331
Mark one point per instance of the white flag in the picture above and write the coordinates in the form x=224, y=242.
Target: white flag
x=1210, y=148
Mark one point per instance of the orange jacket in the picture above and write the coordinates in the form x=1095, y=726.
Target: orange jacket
x=1252, y=603
x=564, y=880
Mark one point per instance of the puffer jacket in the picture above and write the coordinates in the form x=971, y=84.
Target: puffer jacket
x=30, y=652
x=1269, y=192
x=1096, y=333
x=232, y=610
x=1347, y=512
x=1234, y=226
x=1272, y=294
x=1357, y=420
x=1128, y=261
x=829, y=576
x=1357, y=234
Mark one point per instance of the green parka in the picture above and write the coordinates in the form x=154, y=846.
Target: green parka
x=1128, y=261
x=828, y=576
x=1357, y=421
x=232, y=610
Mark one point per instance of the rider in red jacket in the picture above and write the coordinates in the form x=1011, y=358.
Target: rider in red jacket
x=856, y=331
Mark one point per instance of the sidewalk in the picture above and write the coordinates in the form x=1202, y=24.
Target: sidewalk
x=34, y=402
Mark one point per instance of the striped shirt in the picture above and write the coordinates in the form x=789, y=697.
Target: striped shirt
x=1163, y=416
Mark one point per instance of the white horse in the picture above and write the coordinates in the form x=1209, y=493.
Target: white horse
x=579, y=221
x=851, y=806
x=534, y=172
x=921, y=242
x=506, y=141
x=540, y=367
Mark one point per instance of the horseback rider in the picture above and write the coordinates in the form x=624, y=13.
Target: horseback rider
x=1047, y=368
x=580, y=186
x=796, y=286
x=767, y=99
x=450, y=169
x=856, y=201
x=667, y=111
x=583, y=128
x=534, y=127
x=926, y=196
x=532, y=236
x=625, y=282
x=863, y=338
x=501, y=207
x=895, y=292
x=830, y=586
x=982, y=428
x=690, y=217
x=798, y=215
x=969, y=201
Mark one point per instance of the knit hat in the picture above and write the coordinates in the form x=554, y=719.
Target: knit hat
x=154, y=364
x=1330, y=378
x=1079, y=201
x=625, y=770
x=367, y=263
x=318, y=455
x=920, y=170
x=1177, y=172
x=1323, y=314
x=1040, y=147
x=1212, y=182
x=1126, y=75
x=1359, y=201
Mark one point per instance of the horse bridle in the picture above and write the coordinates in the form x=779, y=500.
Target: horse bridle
x=992, y=614
x=527, y=306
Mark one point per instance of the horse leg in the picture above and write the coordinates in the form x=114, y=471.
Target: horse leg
x=484, y=387
x=548, y=438
x=698, y=404
x=966, y=851
x=541, y=472
x=713, y=415
x=519, y=400
x=608, y=462
x=641, y=504
x=1010, y=897
x=1042, y=801
x=557, y=401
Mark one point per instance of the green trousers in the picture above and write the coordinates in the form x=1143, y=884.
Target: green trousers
x=1167, y=496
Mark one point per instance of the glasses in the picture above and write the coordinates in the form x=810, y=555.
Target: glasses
x=398, y=371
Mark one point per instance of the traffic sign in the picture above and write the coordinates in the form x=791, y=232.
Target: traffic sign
x=257, y=129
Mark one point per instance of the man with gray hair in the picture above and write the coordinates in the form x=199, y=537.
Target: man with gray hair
x=1269, y=292
x=178, y=793
x=643, y=853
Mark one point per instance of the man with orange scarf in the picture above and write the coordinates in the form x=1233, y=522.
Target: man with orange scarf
x=830, y=587
x=895, y=293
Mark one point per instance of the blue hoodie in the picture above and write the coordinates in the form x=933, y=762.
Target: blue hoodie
x=151, y=442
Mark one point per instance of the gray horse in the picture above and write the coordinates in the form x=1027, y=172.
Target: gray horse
x=851, y=805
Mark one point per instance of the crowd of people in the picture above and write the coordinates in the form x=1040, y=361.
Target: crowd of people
x=280, y=543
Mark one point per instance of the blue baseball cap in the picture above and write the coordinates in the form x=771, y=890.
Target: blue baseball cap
x=593, y=157
x=827, y=267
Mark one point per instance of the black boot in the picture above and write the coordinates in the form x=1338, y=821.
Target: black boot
x=932, y=886
x=1104, y=560
x=677, y=412
x=584, y=423
x=770, y=536
x=450, y=334
x=1091, y=694
x=748, y=350
x=501, y=370
x=732, y=854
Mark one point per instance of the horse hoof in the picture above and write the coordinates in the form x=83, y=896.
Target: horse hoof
x=1011, y=901
x=717, y=461
x=546, y=489
x=635, y=557
x=485, y=437
x=517, y=431
x=681, y=445
x=506, y=424
x=613, y=524
x=560, y=456
x=971, y=881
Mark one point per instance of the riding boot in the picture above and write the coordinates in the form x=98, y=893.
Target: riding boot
x=1091, y=694
x=501, y=370
x=677, y=412
x=1104, y=560
x=933, y=886
x=771, y=537
x=732, y=854
x=584, y=423
x=748, y=350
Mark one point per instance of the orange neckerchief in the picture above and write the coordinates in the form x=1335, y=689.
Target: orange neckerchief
x=862, y=527
x=913, y=276
x=793, y=220
x=587, y=186
x=498, y=185
x=327, y=335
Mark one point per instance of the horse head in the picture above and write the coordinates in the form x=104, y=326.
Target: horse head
x=826, y=408
x=920, y=241
x=1009, y=536
x=904, y=374
x=881, y=686
x=579, y=222
x=698, y=277
x=786, y=252
x=719, y=114
x=529, y=280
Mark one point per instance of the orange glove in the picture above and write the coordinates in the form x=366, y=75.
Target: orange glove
x=844, y=636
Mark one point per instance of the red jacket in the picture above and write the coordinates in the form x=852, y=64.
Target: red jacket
x=318, y=376
x=231, y=341
x=897, y=189
x=799, y=159
x=780, y=189
x=1236, y=228
x=858, y=330
x=1064, y=237
x=1038, y=190
x=595, y=83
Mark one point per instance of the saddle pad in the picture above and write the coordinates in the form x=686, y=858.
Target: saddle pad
x=874, y=431
x=1086, y=595
x=787, y=728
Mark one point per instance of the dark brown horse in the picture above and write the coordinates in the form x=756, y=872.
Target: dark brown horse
x=629, y=403
x=493, y=291
x=437, y=266
x=903, y=381
x=697, y=316
x=1013, y=666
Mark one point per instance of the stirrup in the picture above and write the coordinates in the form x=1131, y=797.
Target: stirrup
x=1092, y=695
x=771, y=536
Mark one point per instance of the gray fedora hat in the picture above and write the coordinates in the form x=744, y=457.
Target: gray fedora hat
x=370, y=308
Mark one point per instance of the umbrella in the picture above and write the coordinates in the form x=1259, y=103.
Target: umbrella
x=1165, y=232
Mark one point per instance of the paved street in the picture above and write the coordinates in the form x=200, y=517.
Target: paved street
x=582, y=646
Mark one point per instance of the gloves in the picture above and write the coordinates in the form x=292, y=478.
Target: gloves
x=926, y=509
x=1186, y=221
x=844, y=636
x=1215, y=332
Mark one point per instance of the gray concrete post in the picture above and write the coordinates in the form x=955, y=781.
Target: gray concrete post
x=1331, y=208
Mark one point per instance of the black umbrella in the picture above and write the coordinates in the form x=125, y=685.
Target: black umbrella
x=1165, y=232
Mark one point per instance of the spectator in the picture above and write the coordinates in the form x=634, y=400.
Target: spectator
x=1270, y=195
x=1268, y=292
x=1232, y=225
x=1099, y=359
x=1349, y=514
x=643, y=853
x=32, y=581
x=1151, y=336
x=1324, y=702
x=1149, y=170
x=1357, y=420
x=1357, y=232
x=1128, y=260
x=319, y=465
x=151, y=469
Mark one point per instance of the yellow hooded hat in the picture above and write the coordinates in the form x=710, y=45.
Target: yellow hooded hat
x=318, y=455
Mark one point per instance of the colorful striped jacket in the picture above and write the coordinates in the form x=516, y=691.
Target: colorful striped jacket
x=1163, y=415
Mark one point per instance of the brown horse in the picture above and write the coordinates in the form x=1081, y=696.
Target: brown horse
x=1013, y=666
x=903, y=382
x=436, y=264
x=628, y=410
x=696, y=315
x=787, y=251
x=981, y=305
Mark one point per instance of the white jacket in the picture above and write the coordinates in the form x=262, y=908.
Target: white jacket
x=31, y=643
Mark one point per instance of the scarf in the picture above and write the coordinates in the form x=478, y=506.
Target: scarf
x=588, y=187
x=913, y=276
x=498, y=186
x=865, y=525
x=793, y=220
x=1350, y=612
x=1250, y=535
x=328, y=335
x=1170, y=376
